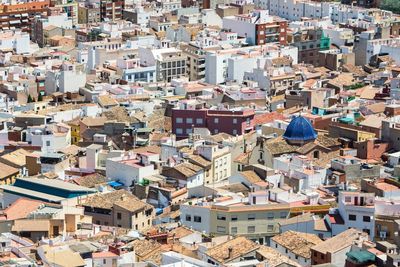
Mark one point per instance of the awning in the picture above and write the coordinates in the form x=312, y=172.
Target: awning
x=144, y=130
x=114, y=184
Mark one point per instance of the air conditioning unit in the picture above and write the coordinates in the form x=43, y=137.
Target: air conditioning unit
x=382, y=235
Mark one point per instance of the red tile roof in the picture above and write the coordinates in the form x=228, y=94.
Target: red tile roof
x=104, y=254
x=20, y=209
x=267, y=117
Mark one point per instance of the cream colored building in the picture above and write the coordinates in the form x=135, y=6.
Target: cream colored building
x=220, y=159
x=257, y=222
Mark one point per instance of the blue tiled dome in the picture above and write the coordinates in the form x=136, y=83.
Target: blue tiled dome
x=300, y=130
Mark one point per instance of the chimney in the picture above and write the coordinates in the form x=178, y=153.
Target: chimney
x=230, y=249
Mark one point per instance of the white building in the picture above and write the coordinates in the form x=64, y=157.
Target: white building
x=339, y=36
x=51, y=138
x=357, y=211
x=68, y=79
x=15, y=40
x=131, y=168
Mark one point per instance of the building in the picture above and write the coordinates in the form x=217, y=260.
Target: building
x=231, y=252
x=130, y=169
x=258, y=222
x=334, y=249
x=88, y=14
x=170, y=62
x=196, y=61
x=309, y=42
x=68, y=79
x=258, y=27
x=220, y=159
x=15, y=40
x=47, y=190
x=21, y=14
x=51, y=137
x=295, y=245
x=357, y=210
x=111, y=10
x=119, y=208
x=190, y=115
x=50, y=220
x=135, y=70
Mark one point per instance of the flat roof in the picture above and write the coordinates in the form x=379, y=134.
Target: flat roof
x=56, y=184
x=30, y=193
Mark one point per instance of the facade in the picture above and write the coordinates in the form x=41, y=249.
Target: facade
x=21, y=14
x=309, y=43
x=120, y=209
x=89, y=14
x=256, y=222
x=258, y=27
x=111, y=10
x=133, y=70
x=170, y=63
x=187, y=117
x=196, y=62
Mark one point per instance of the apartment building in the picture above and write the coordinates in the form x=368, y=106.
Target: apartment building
x=258, y=27
x=88, y=14
x=111, y=10
x=220, y=158
x=258, y=222
x=196, y=61
x=191, y=114
x=15, y=40
x=119, y=208
x=309, y=41
x=21, y=14
x=133, y=70
x=357, y=211
x=170, y=62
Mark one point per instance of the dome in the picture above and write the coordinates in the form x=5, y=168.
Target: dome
x=299, y=131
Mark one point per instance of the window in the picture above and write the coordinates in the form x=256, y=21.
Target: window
x=251, y=217
x=270, y=228
x=221, y=217
x=119, y=216
x=221, y=229
x=188, y=131
x=234, y=121
x=347, y=199
x=352, y=217
x=197, y=219
x=179, y=120
x=234, y=132
x=216, y=120
x=179, y=131
x=251, y=229
x=234, y=218
x=270, y=216
x=233, y=230
x=104, y=261
x=199, y=121
x=188, y=218
x=189, y=120
x=283, y=215
x=366, y=218
x=47, y=143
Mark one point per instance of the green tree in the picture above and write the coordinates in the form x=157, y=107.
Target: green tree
x=30, y=99
x=40, y=97
x=391, y=5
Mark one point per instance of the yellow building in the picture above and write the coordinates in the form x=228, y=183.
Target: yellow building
x=75, y=131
